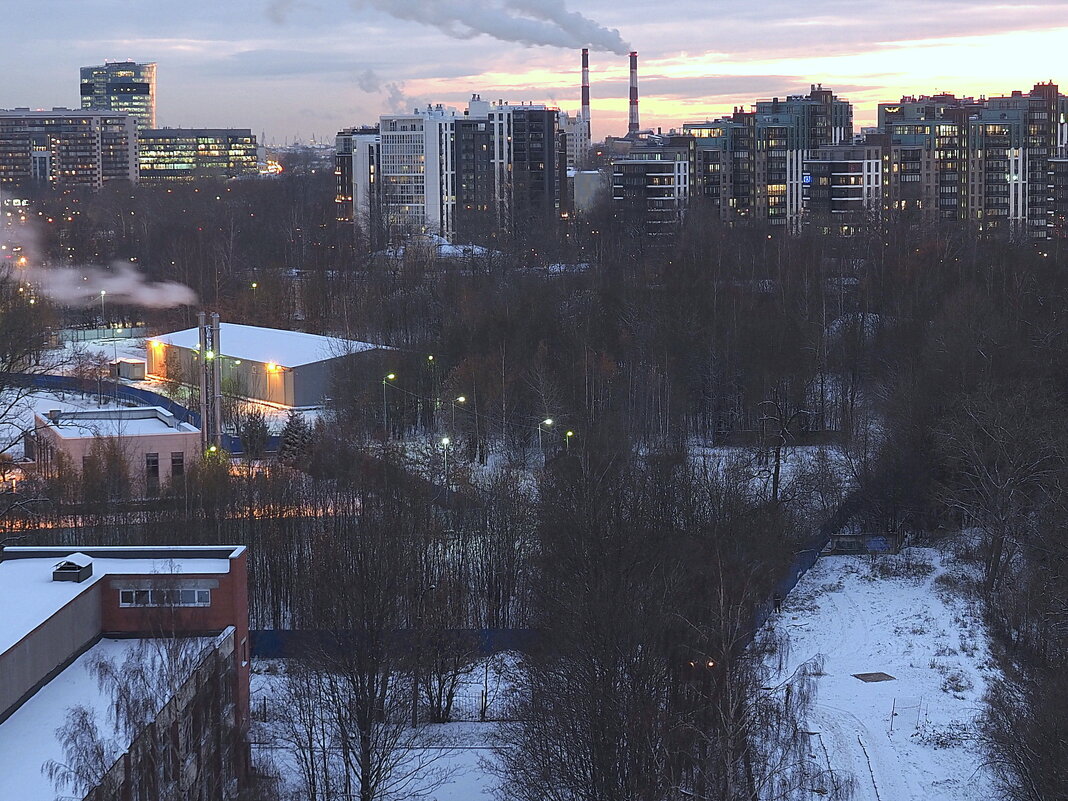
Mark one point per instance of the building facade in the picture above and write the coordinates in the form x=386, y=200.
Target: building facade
x=356, y=157
x=986, y=160
x=1058, y=197
x=651, y=187
x=190, y=154
x=492, y=168
x=844, y=185
x=66, y=149
x=121, y=86
x=156, y=448
x=287, y=368
x=750, y=165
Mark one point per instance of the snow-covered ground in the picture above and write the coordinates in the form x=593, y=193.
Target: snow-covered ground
x=459, y=753
x=904, y=739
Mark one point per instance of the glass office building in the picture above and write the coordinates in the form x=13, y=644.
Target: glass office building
x=187, y=154
x=122, y=86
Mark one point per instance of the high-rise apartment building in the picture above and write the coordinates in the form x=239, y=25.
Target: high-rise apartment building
x=985, y=160
x=122, y=86
x=1058, y=198
x=750, y=165
x=651, y=186
x=356, y=156
x=67, y=148
x=845, y=185
x=188, y=154
x=491, y=168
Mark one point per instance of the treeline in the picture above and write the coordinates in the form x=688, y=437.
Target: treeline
x=933, y=357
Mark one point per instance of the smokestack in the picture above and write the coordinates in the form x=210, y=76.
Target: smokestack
x=632, y=127
x=586, y=92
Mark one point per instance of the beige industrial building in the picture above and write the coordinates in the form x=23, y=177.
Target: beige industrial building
x=287, y=368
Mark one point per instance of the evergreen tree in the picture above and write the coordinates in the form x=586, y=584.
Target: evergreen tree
x=296, y=436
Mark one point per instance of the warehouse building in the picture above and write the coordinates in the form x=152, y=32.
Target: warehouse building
x=288, y=368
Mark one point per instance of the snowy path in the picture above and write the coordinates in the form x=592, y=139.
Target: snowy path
x=931, y=644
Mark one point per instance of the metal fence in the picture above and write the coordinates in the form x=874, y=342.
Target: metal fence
x=89, y=334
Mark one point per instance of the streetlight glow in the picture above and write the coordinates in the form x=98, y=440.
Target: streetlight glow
x=548, y=421
x=461, y=399
x=445, y=441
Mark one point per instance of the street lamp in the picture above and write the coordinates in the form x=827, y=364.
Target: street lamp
x=385, y=411
x=445, y=457
x=567, y=440
x=102, y=293
x=459, y=399
x=548, y=421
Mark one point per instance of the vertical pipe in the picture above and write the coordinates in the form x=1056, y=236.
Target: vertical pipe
x=202, y=328
x=632, y=127
x=586, y=92
x=216, y=373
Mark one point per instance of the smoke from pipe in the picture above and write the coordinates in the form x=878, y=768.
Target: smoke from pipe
x=371, y=82
x=81, y=286
x=527, y=22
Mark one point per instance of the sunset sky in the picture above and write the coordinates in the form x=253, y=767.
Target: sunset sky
x=297, y=68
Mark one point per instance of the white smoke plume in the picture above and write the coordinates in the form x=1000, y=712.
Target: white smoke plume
x=81, y=286
x=369, y=81
x=527, y=22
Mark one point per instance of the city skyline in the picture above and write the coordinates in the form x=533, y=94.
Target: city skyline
x=298, y=69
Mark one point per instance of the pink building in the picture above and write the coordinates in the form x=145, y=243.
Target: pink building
x=155, y=446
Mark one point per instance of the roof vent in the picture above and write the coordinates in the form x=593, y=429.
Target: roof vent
x=77, y=567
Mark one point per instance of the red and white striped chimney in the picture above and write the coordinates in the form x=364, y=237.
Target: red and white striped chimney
x=586, y=91
x=632, y=127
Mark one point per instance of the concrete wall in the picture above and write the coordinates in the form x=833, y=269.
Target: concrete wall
x=49, y=647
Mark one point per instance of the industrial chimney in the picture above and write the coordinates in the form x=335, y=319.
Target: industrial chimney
x=586, y=92
x=632, y=127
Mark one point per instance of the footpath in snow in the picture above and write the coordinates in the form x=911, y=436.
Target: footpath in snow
x=904, y=739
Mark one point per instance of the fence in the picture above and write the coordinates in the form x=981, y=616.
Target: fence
x=282, y=643
x=88, y=334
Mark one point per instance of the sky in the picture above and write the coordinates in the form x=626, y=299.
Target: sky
x=302, y=68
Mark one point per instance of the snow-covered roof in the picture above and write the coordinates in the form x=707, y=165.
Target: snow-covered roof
x=121, y=422
x=76, y=559
x=28, y=738
x=269, y=345
x=29, y=596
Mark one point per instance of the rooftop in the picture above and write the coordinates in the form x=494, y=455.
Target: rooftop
x=269, y=345
x=28, y=738
x=138, y=421
x=29, y=596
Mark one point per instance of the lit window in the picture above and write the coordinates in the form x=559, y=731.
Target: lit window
x=165, y=597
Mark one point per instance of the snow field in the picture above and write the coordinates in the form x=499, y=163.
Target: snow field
x=907, y=739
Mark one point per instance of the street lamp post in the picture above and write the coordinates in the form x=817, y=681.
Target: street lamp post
x=567, y=441
x=102, y=293
x=385, y=410
x=459, y=399
x=445, y=457
x=548, y=421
